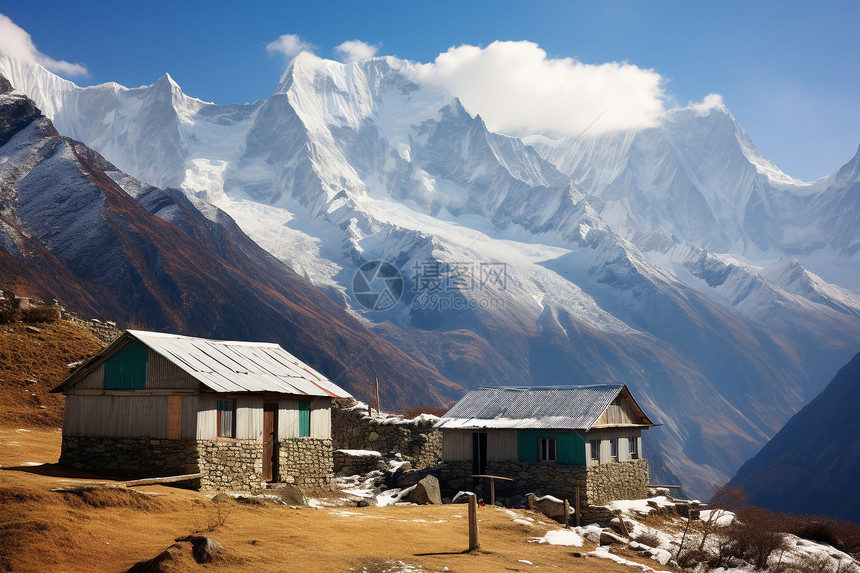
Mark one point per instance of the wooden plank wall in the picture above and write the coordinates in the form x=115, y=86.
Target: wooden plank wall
x=116, y=416
x=94, y=380
x=321, y=418
x=288, y=418
x=604, y=435
x=161, y=373
x=190, y=404
x=249, y=418
x=207, y=420
x=618, y=413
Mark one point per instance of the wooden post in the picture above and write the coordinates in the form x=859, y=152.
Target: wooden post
x=566, y=514
x=492, y=492
x=576, y=507
x=474, y=543
x=378, y=411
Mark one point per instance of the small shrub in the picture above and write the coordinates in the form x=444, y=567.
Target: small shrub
x=648, y=538
x=691, y=558
x=755, y=535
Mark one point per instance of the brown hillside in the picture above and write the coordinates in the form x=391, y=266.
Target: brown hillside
x=43, y=357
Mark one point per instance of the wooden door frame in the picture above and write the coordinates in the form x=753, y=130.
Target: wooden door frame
x=270, y=447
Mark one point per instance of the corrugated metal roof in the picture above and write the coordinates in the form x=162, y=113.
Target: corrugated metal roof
x=230, y=366
x=562, y=407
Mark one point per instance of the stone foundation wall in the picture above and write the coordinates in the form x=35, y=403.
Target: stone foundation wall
x=540, y=479
x=617, y=480
x=349, y=464
x=598, y=485
x=306, y=463
x=230, y=464
x=415, y=440
x=129, y=457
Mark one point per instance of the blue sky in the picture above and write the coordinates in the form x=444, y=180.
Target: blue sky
x=789, y=71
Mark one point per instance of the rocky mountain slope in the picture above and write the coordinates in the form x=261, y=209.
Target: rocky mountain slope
x=514, y=270
x=74, y=227
x=811, y=465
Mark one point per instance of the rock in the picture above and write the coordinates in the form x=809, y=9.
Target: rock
x=615, y=523
x=462, y=497
x=32, y=329
x=364, y=503
x=609, y=538
x=289, y=494
x=661, y=556
x=408, y=478
x=548, y=505
x=30, y=381
x=251, y=500
x=425, y=492
x=222, y=497
x=204, y=549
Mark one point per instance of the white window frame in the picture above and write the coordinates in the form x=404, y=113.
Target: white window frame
x=633, y=447
x=595, y=450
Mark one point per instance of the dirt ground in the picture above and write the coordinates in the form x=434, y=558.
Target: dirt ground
x=111, y=529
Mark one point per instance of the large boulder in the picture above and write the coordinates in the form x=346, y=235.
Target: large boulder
x=548, y=505
x=425, y=492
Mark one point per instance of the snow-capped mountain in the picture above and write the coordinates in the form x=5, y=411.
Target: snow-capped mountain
x=74, y=227
x=697, y=178
x=520, y=264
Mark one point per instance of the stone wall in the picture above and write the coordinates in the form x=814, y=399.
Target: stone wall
x=107, y=332
x=598, y=484
x=230, y=464
x=415, y=440
x=617, y=480
x=306, y=463
x=357, y=462
x=138, y=457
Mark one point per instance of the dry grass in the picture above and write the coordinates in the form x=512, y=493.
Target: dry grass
x=107, y=530
x=43, y=357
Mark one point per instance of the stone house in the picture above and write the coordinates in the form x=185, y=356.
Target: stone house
x=549, y=441
x=241, y=413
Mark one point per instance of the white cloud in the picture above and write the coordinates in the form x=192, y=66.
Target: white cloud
x=356, y=50
x=519, y=90
x=289, y=46
x=16, y=42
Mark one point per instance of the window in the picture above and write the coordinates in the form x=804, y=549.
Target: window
x=546, y=449
x=226, y=411
x=613, y=449
x=634, y=447
x=595, y=450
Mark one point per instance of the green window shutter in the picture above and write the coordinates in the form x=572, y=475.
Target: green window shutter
x=125, y=369
x=304, y=419
x=570, y=446
x=527, y=445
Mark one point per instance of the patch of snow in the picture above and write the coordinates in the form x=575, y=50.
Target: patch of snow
x=567, y=537
x=361, y=453
x=603, y=552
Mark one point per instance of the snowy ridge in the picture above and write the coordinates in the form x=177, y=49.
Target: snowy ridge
x=607, y=244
